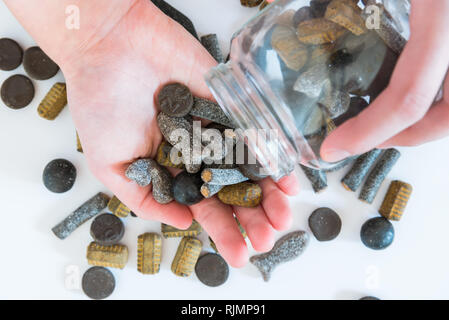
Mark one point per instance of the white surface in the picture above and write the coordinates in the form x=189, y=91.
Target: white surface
x=34, y=263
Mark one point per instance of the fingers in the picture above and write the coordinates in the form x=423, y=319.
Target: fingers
x=218, y=221
x=414, y=85
x=289, y=184
x=257, y=226
x=276, y=206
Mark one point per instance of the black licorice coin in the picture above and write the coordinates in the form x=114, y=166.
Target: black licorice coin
x=212, y=270
x=38, y=65
x=59, y=175
x=187, y=188
x=107, y=229
x=377, y=233
x=325, y=224
x=17, y=91
x=98, y=283
x=369, y=298
x=175, y=100
x=11, y=54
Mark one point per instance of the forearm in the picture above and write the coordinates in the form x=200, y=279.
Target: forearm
x=54, y=23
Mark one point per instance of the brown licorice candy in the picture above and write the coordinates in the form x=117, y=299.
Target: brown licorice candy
x=346, y=14
x=317, y=178
x=172, y=232
x=118, y=208
x=163, y=156
x=149, y=247
x=222, y=177
x=115, y=256
x=289, y=48
x=186, y=256
x=209, y=190
x=210, y=42
x=53, y=103
x=79, y=147
x=243, y=194
x=396, y=200
x=354, y=178
x=319, y=31
x=250, y=3
x=378, y=175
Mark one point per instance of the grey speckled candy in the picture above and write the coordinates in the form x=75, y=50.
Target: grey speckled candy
x=209, y=190
x=88, y=210
x=285, y=249
x=378, y=175
x=210, y=42
x=139, y=171
x=222, y=177
x=317, y=178
x=354, y=178
x=205, y=109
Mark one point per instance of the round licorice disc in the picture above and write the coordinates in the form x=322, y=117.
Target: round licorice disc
x=38, y=65
x=17, y=91
x=325, y=224
x=377, y=233
x=11, y=54
x=98, y=283
x=175, y=100
x=59, y=175
x=212, y=270
x=107, y=229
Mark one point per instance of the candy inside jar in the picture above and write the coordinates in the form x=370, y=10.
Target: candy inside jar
x=303, y=68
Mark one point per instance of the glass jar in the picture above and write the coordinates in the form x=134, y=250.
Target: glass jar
x=301, y=68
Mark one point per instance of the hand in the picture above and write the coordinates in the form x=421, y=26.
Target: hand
x=114, y=69
x=400, y=116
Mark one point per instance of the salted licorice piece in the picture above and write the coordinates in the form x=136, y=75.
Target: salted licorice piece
x=378, y=175
x=79, y=147
x=139, y=171
x=222, y=177
x=53, y=103
x=38, y=65
x=334, y=101
x=244, y=194
x=107, y=229
x=317, y=178
x=186, y=256
x=115, y=256
x=172, y=232
x=209, y=190
x=250, y=3
x=318, y=7
x=11, y=54
x=206, y=109
x=346, y=14
x=149, y=247
x=285, y=249
x=186, y=188
x=396, y=200
x=354, y=178
x=210, y=42
x=176, y=15
x=118, y=208
x=212, y=270
x=285, y=41
x=377, y=233
x=17, y=92
x=89, y=209
x=163, y=156
x=175, y=100
x=319, y=31
x=98, y=283
x=325, y=224
x=59, y=175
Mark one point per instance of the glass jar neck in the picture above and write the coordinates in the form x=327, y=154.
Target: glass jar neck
x=262, y=119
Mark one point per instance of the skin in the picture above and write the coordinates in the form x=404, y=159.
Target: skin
x=114, y=66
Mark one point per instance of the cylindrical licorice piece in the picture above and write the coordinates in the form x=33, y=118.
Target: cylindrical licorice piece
x=243, y=232
x=163, y=156
x=222, y=177
x=186, y=256
x=115, y=256
x=54, y=102
x=149, y=247
x=205, y=109
x=172, y=232
x=317, y=178
x=396, y=200
x=210, y=42
x=250, y=3
x=244, y=194
x=79, y=147
x=354, y=178
x=209, y=190
x=118, y=208
x=378, y=175
x=88, y=210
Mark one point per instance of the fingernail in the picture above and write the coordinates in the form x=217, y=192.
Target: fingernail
x=334, y=155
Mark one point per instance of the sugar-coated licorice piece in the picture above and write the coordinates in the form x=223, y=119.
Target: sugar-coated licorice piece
x=115, y=256
x=222, y=177
x=317, y=178
x=149, y=247
x=396, y=200
x=210, y=42
x=205, y=109
x=186, y=256
x=354, y=178
x=209, y=190
x=378, y=175
x=88, y=210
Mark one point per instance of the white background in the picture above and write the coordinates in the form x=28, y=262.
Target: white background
x=36, y=264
